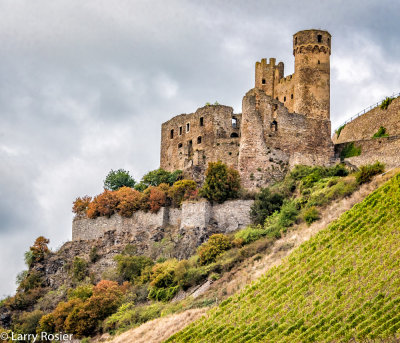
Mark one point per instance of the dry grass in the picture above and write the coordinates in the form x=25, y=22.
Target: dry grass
x=160, y=329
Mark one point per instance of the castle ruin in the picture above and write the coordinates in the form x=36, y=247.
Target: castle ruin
x=284, y=121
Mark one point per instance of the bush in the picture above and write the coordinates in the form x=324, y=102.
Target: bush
x=82, y=292
x=250, y=234
x=366, y=172
x=104, y=204
x=385, y=103
x=214, y=247
x=30, y=280
x=265, y=204
x=157, y=198
x=93, y=255
x=27, y=322
x=79, y=269
x=39, y=249
x=350, y=150
x=80, y=205
x=131, y=267
x=117, y=179
x=380, y=133
x=181, y=190
x=129, y=201
x=221, y=183
x=163, y=281
x=159, y=176
x=288, y=214
x=310, y=215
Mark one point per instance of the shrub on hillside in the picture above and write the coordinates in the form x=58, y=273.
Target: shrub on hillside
x=221, y=182
x=79, y=268
x=104, y=204
x=181, y=190
x=310, y=215
x=380, y=133
x=30, y=280
x=265, y=204
x=80, y=205
x=27, y=322
x=157, y=198
x=39, y=249
x=131, y=267
x=129, y=201
x=249, y=234
x=214, y=247
x=82, y=292
x=385, y=103
x=163, y=282
x=117, y=179
x=366, y=172
x=339, y=130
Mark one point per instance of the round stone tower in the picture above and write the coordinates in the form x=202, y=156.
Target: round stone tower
x=311, y=50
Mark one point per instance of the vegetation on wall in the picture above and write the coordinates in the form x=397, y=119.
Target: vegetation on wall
x=339, y=130
x=385, y=103
x=117, y=179
x=350, y=150
x=380, y=133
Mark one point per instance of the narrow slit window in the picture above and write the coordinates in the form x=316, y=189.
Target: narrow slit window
x=295, y=40
x=180, y=130
x=319, y=38
x=263, y=81
x=172, y=134
x=187, y=127
x=199, y=140
x=291, y=96
x=284, y=98
x=319, y=62
x=201, y=121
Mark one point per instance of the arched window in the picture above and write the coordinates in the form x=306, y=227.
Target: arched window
x=179, y=145
x=274, y=126
x=199, y=140
x=234, y=135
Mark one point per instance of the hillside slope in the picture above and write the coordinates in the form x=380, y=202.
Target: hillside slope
x=342, y=284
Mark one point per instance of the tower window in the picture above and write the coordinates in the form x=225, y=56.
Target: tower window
x=319, y=38
x=284, y=99
x=179, y=145
x=234, y=123
x=187, y=127
x=201, y=121
x=291, y=96
x=234, y=135
x=180, y=130
x=329, y=41
x=263, y=81
x=295, y=40
x=172, y=134
x=274, y=126
x=199, y=140
x=277, y=98
x=319, y=62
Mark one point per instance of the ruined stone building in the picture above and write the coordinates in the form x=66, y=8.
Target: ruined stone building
x=284, y=121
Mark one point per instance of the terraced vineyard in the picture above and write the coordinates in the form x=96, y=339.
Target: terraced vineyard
x=342, y=285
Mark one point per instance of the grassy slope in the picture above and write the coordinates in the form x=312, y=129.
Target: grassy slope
x=342, y=283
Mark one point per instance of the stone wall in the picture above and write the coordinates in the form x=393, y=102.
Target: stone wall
x=365, y=126
x=385, y=149
x=225, y=217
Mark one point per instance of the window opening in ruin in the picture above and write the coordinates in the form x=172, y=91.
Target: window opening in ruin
x=263, y=81
x=291, y=96
x=319, y=62
x=201, y=121
x=234, y=135
x=319, y=38
x=180, y=130
x=179, y=145
x=277, y=98
x=329, y=40
x=275, y=107
x=295, y=40
x=284, y=98
x=187, y=127
x=234, y=123
x=199, y=140
x=172, y=133
x=274, y=126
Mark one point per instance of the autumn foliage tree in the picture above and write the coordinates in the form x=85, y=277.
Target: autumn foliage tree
x=39, y=249
x=104, y=204
x=80, y=205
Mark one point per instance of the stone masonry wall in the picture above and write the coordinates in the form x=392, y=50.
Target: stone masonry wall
x=365, y=126
x=385, y=149
x=225, y=217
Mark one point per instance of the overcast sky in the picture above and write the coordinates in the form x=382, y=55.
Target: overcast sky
x=85, y=86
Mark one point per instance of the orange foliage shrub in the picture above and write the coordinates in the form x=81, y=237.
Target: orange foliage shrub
x=39, y=248
x=104, y=204
x=180, y=190
x=157, y=198
x=130, y=200
x=80, y=205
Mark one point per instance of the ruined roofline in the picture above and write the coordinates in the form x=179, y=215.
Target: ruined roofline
x=314, y=30
x=199, y=110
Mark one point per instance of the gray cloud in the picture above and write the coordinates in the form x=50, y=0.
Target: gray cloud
x=84, y=88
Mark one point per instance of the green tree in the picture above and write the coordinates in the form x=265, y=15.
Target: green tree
x=221, y=182
x=265, y=204
x=159, y=176
x=117, y=179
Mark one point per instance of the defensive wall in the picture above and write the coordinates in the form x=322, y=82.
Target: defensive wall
x=146, y=226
